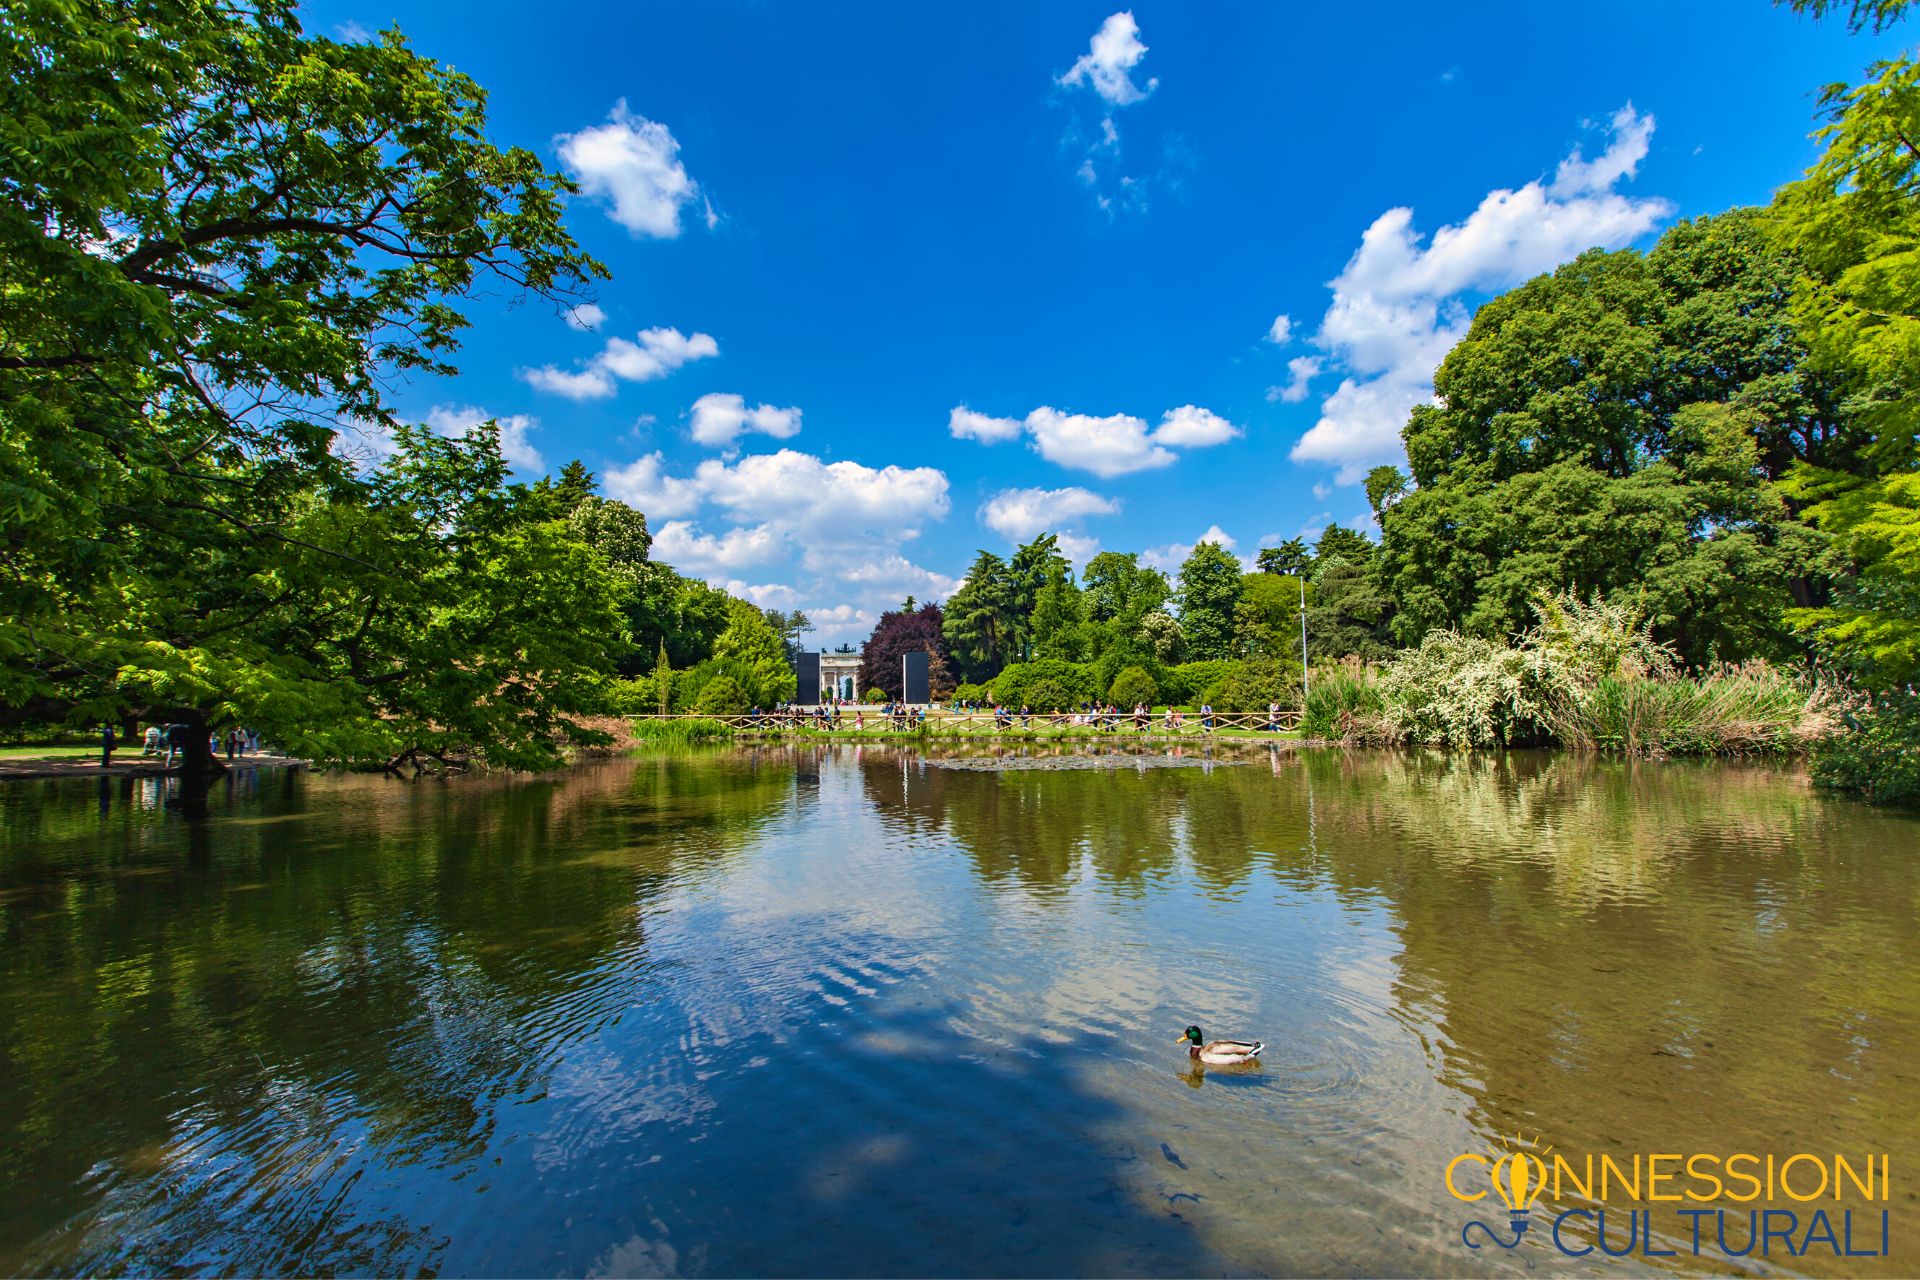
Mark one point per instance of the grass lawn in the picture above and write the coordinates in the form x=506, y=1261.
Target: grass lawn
x=50, y=753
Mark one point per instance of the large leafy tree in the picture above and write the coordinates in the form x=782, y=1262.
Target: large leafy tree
x=978, y=623
x=220, y=237
x=898, y=633
x=1210, y=590
x=1615, y=427
x=1855, y=221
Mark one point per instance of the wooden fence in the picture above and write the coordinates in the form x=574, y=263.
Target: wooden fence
x=869, y=718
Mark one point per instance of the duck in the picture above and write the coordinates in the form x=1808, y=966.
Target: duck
x=1219, y=1053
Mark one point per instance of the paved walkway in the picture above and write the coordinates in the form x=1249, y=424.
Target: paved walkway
x=126, y=764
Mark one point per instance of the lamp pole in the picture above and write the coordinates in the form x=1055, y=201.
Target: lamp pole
x=1305, y=688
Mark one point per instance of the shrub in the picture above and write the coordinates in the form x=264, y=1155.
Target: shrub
x=1187, y=683
x=1133, y=686
x=1073, y=683
x=1346, y=703
x=720, y=696
x=1252, y=686
x=1463, y=691
x=676, y=731
x=1876, y=752
x=970, y=693
x=1046, y=694
x=873, y=695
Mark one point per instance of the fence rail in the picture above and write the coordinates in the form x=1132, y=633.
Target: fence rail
x=869, y=718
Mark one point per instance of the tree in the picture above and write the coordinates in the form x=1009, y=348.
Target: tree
x=1133, y=686
x=1058, y=612
x=1118, y=587
x=1291, y=559
x=895, y=635
x=1161, y=631
x=1267, y=617
x=1613, y=427
x=223, y=239
x=978, y=620
x=766, y=675
x=790, y=626
x=720, y=696
x=1034, y=568
x=1210, y=588
x=1853, y=220
x=1337, y=543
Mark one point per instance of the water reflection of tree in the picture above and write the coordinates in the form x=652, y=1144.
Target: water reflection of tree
x=1614, y=955
x=182, y=1004
x=1644, y=957
x=1042, y=828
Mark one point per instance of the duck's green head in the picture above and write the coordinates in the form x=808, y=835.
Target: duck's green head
x=1190, y=1036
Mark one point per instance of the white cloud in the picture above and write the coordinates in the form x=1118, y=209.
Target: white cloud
x=965, y=424
x=720, y=418
x=1301, y=371
x=658, y=353
x=586, y=316
x=1400, y=305
x=891, y=578
x=1078, y=548
x=768, y=595
x=1108, y=63
x=1115, y=445
x=633, y=164
x=1191, y=427
x=1322, y=491
x=682, y=544
x=1280, y=332
x=1107, y=447
x=351, y=32
x=644, y=485
x=456, y=420
x=1020, y=514
x=1174, y=554
x=1632, y=135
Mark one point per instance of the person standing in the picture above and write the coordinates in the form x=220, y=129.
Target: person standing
x=106, y=746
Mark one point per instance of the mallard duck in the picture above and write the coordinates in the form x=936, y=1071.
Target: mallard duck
x=1219, y=1053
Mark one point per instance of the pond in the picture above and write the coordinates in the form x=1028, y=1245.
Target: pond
x=846, y=1011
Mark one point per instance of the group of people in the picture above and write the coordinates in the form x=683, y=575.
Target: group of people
x=172, y=741
x=893, y=715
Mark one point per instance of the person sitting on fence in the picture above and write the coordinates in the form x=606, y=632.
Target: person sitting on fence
x=1001, y=720
x=1167, y=719
x=1140, y=716
x=1206, y=716
x=1273, y=717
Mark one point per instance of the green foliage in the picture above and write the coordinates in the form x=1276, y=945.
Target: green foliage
x=721, y=696
x=1267, y=618
x=977, y=621
x=1345, y=704
x=224, y=237
x=759, y=668
x=680, y=731
x=873, y=695
x=1254, y=685
x=1615, y=427
x=1118, y=587
x=1066, y=684
x=1878, y=754
x=1210, y=588
x=1133, y=686
x=1187, y=684
x=971, y=693
x=1853, y=220
x=1161, y=632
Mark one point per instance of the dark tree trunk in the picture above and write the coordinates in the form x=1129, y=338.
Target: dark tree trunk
x=198, y=764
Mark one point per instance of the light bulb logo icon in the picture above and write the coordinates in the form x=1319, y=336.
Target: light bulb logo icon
x=1518, y=1179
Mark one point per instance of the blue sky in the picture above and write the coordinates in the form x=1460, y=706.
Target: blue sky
x=894, y=283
